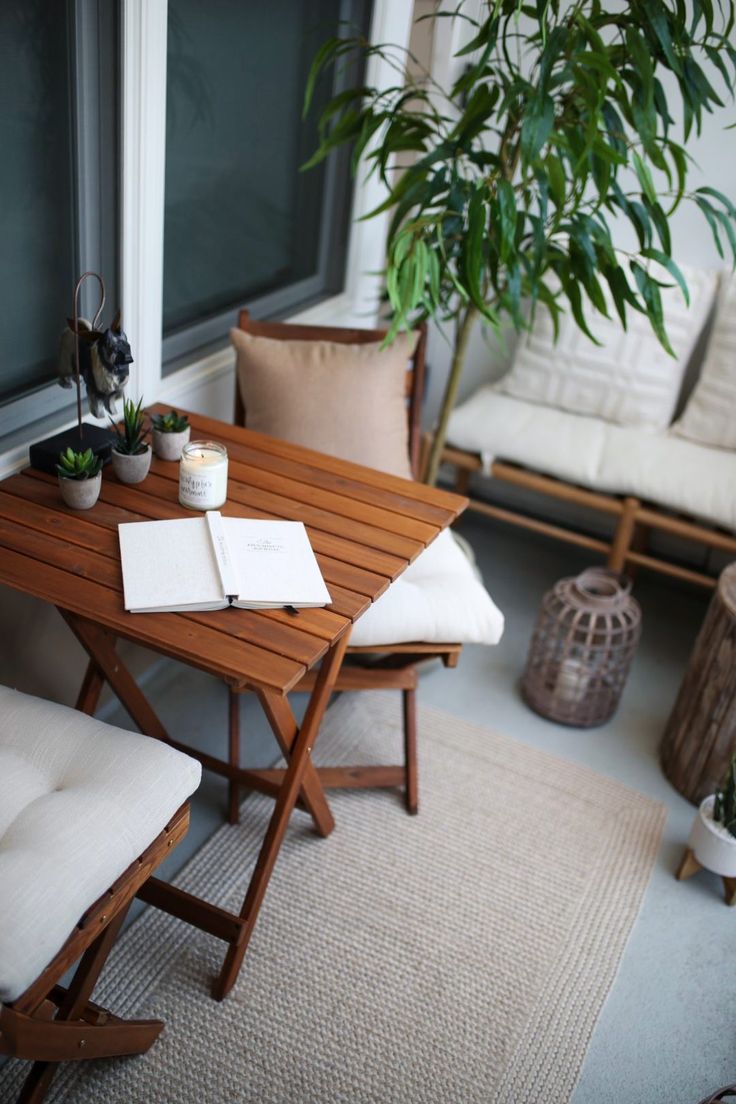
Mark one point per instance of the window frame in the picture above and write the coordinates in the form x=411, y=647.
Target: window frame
x=210, y=333
x=93, y=119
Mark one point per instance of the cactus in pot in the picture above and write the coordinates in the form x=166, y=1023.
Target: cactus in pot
x=80, y=478
x=170, y=433
x=131, y=453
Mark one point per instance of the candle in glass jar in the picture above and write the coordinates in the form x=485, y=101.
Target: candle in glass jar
x=203, y=475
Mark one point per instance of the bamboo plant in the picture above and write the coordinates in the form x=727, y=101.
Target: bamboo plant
x=504, y=189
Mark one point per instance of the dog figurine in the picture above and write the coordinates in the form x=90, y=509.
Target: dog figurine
x=104, y=359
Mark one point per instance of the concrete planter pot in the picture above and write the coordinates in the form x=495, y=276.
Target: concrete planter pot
x=80, y=494
x=713, y=845
x=131, y=469
x=168, y=446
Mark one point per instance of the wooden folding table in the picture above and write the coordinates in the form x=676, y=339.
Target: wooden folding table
x=365, y=528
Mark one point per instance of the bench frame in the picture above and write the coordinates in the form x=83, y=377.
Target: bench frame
x=634, y=519
x=48, y=1023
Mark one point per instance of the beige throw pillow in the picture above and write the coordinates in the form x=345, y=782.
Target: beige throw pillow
x=346, y=400
x=710, y=415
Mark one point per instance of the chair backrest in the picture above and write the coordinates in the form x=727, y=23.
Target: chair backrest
x=292, y=331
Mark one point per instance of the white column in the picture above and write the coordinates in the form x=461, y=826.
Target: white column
x=142, y=188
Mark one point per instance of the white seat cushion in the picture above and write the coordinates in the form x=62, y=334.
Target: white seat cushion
x=552, y=441
x=659, y=467
x=79, y=802
x=672, y=472
x=437, y=600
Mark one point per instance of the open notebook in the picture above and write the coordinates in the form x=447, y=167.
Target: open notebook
x=211, y=562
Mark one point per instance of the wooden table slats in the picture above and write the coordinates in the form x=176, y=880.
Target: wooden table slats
x=364, y=527
x=172, y=634
x=446, y=501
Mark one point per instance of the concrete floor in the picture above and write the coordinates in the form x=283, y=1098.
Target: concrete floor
x=666, y=1034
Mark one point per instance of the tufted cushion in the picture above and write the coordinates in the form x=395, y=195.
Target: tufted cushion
x=628, y=379
x=660, y=467
x=437, y=600
x=79, y=801
x=710, y=415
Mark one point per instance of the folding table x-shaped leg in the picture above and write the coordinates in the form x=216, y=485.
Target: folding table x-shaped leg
x=299, y=784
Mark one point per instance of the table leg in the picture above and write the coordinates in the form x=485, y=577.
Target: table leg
x=298, y=781
x=99, y=645
x=90, y=690
x=300, y=749
x=105, y=664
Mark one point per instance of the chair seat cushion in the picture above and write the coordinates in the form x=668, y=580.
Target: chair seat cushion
x=79, y=802
x=437, y=600
x=659, y=467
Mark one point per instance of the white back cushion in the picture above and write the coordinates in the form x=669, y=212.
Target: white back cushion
x=629, y=379
x=710, y=415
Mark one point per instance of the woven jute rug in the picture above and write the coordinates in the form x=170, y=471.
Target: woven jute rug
x=460, y=956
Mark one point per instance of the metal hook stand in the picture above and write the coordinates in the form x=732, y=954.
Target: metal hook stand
x=95, y=320
x=44, y=455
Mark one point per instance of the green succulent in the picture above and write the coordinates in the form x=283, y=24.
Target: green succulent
x=131, y=440
x=170, y=423
x=78, y=465
x=724, y=810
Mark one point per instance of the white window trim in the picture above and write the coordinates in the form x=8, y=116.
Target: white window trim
x=143, y=146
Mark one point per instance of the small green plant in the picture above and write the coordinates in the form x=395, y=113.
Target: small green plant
x=724, y=810
x=170, y=423
x=131, y=440
x=78, y=465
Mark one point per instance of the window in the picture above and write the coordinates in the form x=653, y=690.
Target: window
x=58, y=133
x=242, y=225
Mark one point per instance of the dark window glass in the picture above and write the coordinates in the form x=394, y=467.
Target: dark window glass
x=241, y=221
x=36, y=188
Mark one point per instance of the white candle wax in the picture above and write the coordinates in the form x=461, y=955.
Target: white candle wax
x=572, y=681
x=203, y=475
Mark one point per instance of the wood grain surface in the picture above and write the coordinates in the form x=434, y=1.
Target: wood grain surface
x=365, y=527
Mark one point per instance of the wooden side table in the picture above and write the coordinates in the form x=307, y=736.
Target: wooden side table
x=700, y=736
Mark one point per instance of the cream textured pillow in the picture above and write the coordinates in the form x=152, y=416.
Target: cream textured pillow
x=710, y=415
x=346, y=400
x=629, y=378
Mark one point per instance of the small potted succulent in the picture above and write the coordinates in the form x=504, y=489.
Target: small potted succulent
x=170, y=434
x=713, y=836
x=80, y=478
x=131, y=453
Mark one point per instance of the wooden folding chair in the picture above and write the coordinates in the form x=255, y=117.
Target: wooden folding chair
x=395, y=666
x=49, y=1023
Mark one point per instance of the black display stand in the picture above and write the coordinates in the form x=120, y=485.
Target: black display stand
x=44, y=455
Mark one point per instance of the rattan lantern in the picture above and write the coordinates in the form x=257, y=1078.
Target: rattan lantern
x=582, y=648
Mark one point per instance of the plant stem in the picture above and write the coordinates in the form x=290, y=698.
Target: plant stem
x=462, y=337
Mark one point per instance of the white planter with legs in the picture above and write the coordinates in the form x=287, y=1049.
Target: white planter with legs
x=713, y=845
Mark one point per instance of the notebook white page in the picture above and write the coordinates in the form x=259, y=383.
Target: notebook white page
x=169, y=565
x=274, y=564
